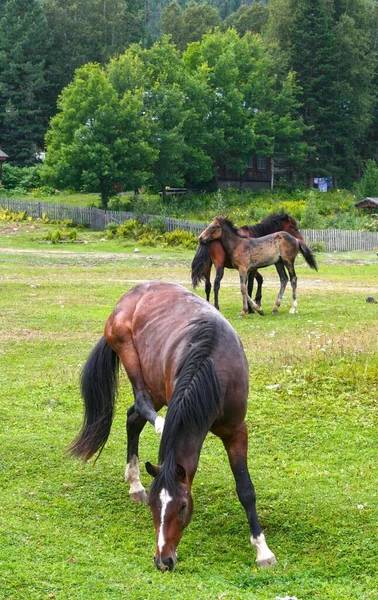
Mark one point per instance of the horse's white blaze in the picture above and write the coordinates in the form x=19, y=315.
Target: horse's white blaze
x=159, y=424
x=132, y=475
x=264, y=555
x=165, y=499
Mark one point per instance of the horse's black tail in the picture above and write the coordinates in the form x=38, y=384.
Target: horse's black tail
x=308, y=255
x=201, y=264
x=196, y=398
x=99, y=386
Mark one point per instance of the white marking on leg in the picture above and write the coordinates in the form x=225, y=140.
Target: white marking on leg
x=294, y=306
x=265, y=557
x=159, y=424
x=132, y=476
x=165, y=499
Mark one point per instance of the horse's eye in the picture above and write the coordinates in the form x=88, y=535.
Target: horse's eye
x=183, y=507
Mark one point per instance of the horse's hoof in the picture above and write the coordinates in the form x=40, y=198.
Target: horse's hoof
x=140, y=497
x=267, y=562
x=274, y=312
x=242, y=314
x=261, y=312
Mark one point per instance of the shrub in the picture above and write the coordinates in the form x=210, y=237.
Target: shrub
x=368, y=185
x=178, y=237
x=61, y=236
x=23, y=178
x=317, y=246
x=311, y=218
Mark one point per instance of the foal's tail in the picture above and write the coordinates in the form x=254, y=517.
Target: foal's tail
x=201, y=264
x=308, y=255
x=99, y=386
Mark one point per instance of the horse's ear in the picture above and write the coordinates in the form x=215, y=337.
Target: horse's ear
x=152, y=470
x=181, y=473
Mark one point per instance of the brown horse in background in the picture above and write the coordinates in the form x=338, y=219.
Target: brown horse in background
x=247, y=255
x=213, y=253
x=179, y=351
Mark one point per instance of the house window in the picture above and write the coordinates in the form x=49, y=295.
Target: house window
x=261, y=163
x=250, y=162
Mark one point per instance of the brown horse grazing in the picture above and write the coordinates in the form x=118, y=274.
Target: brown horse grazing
x=179, y=351
x=279, y=249
x=213, y=253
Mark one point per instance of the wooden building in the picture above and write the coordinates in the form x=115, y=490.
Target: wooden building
x=370, y=204
x=257, y=176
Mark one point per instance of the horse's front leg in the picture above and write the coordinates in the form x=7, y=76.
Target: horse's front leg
x=134, y=426
x=217, y=281
x=247, y=301
x=243, y=289
x=237, y=448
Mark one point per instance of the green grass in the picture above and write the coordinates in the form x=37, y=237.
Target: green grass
x=69, y=531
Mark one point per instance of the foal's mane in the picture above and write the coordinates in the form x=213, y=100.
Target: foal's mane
x=270, y=224
x=194, y=404
x=225, y=221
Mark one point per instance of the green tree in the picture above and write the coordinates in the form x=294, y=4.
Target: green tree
x=329, y=46
x=250, y=111
x=89, y=31
x=247, y=18
x=175, y=105
x=368, y=186
x=24, y=90
x=188, y=25
x=97, y=140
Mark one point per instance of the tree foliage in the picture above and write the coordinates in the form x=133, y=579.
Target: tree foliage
x=328, y=43
x=24, y=88
x=97, y=142
x=155, y=117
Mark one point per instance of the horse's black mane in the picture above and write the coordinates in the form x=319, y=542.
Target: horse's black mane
x=194, y=404
x=270, y=223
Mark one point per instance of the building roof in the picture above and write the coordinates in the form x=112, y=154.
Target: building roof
x=3, y=155
x=367, y=201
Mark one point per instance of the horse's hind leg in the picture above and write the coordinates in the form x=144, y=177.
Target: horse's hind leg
x=293, y=282
x=134, y=426
x=283, y=281
x=259, y=280
x=207, y=288
x=236, y=447
x=143, y=401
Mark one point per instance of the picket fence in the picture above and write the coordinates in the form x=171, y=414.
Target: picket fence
x=333, y=240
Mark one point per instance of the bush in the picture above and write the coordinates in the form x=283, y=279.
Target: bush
x=178, y=237
x=368, y=185
x=61, y=236
x=21, y=178
x=311, y=218
x=317, y=246
x=151, y=234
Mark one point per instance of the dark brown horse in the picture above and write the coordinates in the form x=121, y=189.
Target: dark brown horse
x=213, y=253
x=179, y=351
x=248, y=255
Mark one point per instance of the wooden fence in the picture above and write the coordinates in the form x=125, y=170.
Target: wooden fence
x=333, y=240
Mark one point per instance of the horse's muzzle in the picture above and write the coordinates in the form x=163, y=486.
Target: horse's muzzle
x=165, y=564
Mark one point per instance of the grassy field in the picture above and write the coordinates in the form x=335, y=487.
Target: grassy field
x=69, y=531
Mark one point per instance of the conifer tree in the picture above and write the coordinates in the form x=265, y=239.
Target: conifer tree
x=24, y=107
